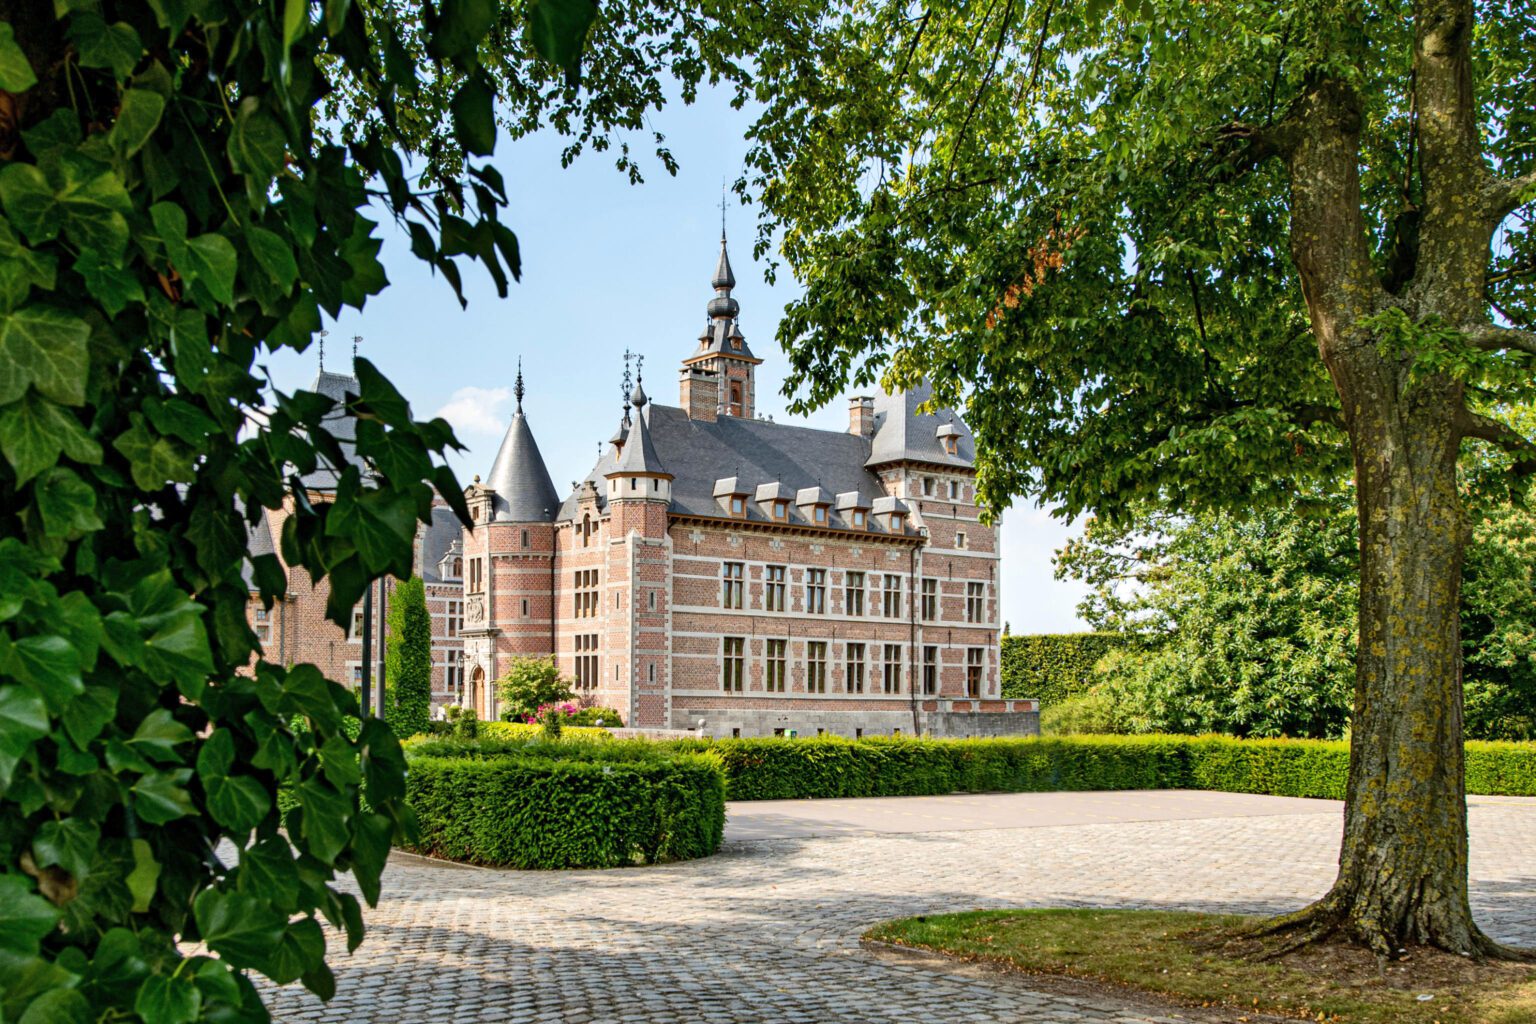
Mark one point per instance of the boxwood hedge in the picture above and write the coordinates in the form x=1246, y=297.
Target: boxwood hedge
x=782, y=769
x=529, y=804
x=1052, y=667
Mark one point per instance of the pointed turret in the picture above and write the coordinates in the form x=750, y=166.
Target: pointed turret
x=723, y=349
x=638, y=457
x=523, y=490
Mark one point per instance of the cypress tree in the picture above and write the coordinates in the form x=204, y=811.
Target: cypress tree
x=408, y=659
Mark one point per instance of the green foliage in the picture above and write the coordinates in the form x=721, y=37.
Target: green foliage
x=408, y=658
x=1052, y=667
x=528, y=685
x=565, y=805
x=781, y=769
x=550, y=723
x=1498, y=623
x=1247, y=622
x=607, y=717
x=1094, y=711
x=168, y=219
x=463, y=723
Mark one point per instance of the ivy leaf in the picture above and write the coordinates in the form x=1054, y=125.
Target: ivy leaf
x=159, y=734
x=114, y=287
x=23, y=719
x=45, y=347
x=159, y=796
x=301, y=948
x=170, y=223
x=268, y=868
x=70, y=843
x=100, y=45
x=474, y=117
x=238, y=802
x=163, y=999
x=557, y=29
x=211, y=263
x=273, y=255
x=95, y=205
x=58, y=1006
x=257, y=144
x=154, y=460
x=66, y=503
x=136, y=121
x=25, y=917
x=30, y=202
x=51, y=665
x=21, y=269
x=141, y=881
x=16, y=74
x=89, y=713
x=35, y=430
x=326, y=813
x=240, y=928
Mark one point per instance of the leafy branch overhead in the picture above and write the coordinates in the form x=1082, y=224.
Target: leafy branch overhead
x=168, y=215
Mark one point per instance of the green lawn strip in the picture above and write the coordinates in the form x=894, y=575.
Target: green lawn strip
x=1178, y=956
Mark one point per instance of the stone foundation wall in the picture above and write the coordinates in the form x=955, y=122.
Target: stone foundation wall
x=722, y=723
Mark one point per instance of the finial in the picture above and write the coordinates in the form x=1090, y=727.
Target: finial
x=722, y=209
x=626, y=385
x=357, y=339
x=639, y=368
x=323, y=333
x=517, y=387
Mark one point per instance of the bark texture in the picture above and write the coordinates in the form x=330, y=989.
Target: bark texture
x=1403, y=864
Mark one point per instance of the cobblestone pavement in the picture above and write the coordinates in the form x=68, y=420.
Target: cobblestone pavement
x=767, y=931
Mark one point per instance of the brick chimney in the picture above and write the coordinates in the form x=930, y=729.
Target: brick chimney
x=699, y=394
x=861, y=415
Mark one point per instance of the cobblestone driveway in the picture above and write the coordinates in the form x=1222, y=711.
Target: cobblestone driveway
x=768, y=930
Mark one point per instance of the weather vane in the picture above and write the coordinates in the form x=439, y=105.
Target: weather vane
x=626, y=386
x=323, y=333
x=357, y=339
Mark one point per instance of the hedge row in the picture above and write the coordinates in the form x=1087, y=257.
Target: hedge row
x=1053, y=666
x=780, y=769
x=564, y=805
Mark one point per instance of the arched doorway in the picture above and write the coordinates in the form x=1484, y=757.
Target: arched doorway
x=477, y=691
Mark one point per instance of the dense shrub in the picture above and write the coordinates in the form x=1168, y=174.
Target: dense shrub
x=570, y=804
x=530, y=730
x=782, y=769
x=528, y=685
x=1052, y=667
x=1093, y=711
x=609, y=717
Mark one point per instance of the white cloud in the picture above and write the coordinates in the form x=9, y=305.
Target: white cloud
x=474, y=410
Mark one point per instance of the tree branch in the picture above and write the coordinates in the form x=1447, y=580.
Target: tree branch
x=1491, y=338
x=1502, y=435
x=1505, y=195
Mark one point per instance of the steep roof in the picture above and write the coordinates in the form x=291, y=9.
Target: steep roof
x=904, y=435
x=639, y=453
x=698, y=453
x=339, y=388
x=258, y=541
x=439, y=536
x=524, y=491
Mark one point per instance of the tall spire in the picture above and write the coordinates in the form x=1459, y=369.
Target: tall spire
x=625, y=386
x=323, y=333
x=517, y=388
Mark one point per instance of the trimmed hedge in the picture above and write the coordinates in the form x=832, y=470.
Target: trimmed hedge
x=532, y=730
x=1053, y=666
x=784, y=769
x=564, y=805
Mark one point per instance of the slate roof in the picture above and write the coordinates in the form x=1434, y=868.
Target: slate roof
x=258, y=541
x=755, y=452
x=903, y=435
x=440, y=535
x=639, y=454
x=337, y=387
x=524, y=491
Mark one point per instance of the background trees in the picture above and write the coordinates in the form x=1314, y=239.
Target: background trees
x=408, y=658
x=168, y=213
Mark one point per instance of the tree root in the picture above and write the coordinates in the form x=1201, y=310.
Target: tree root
x=1330, y=916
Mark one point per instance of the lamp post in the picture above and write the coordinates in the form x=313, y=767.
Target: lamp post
x=368, y=650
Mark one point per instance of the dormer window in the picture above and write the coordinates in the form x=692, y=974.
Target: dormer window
x=820, y=515
x=949, y=436
x=738, y=505
x=781, y=510
x=732, y=497
x=853, y=509
x=858, y=519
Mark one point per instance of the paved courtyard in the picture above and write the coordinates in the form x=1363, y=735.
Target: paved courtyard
x=768, y=931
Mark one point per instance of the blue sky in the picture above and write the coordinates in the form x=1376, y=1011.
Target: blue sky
x=609, y=266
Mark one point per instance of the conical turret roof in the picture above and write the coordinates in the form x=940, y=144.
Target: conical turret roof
x=524, y=491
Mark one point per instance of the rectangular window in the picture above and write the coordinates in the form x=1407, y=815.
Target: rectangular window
x=586, y=660
x=475, y=577
x=355, y=632
x=954, y=490
x=453, y=670
x=525, y=607
x=773, y=678
x=650, y=600
x=927, y=486
x=773, y=590
x=892, y=678
x=455, y=623
x=731, y=669
x=731, y=585
x=525, y=538
x=816, y=666
x=815, y=591
x=974, y=657
x=738, y=506
x=820, y=515
x=263, y=625
x=853, y=603
x=960, y=539
x=930, y=599
x=855, y=668
x=975, y=602
x=930, y=670
x=892, y=596
x=586, y=593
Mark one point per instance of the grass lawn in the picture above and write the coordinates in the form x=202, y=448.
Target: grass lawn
x=1208, y=960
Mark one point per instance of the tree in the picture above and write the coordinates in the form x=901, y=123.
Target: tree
x=408, y=658
x=166, y=215
x=1197, y=254
x=529, y=684
x=1248, y=621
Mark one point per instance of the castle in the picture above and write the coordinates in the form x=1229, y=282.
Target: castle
x=720, y=572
